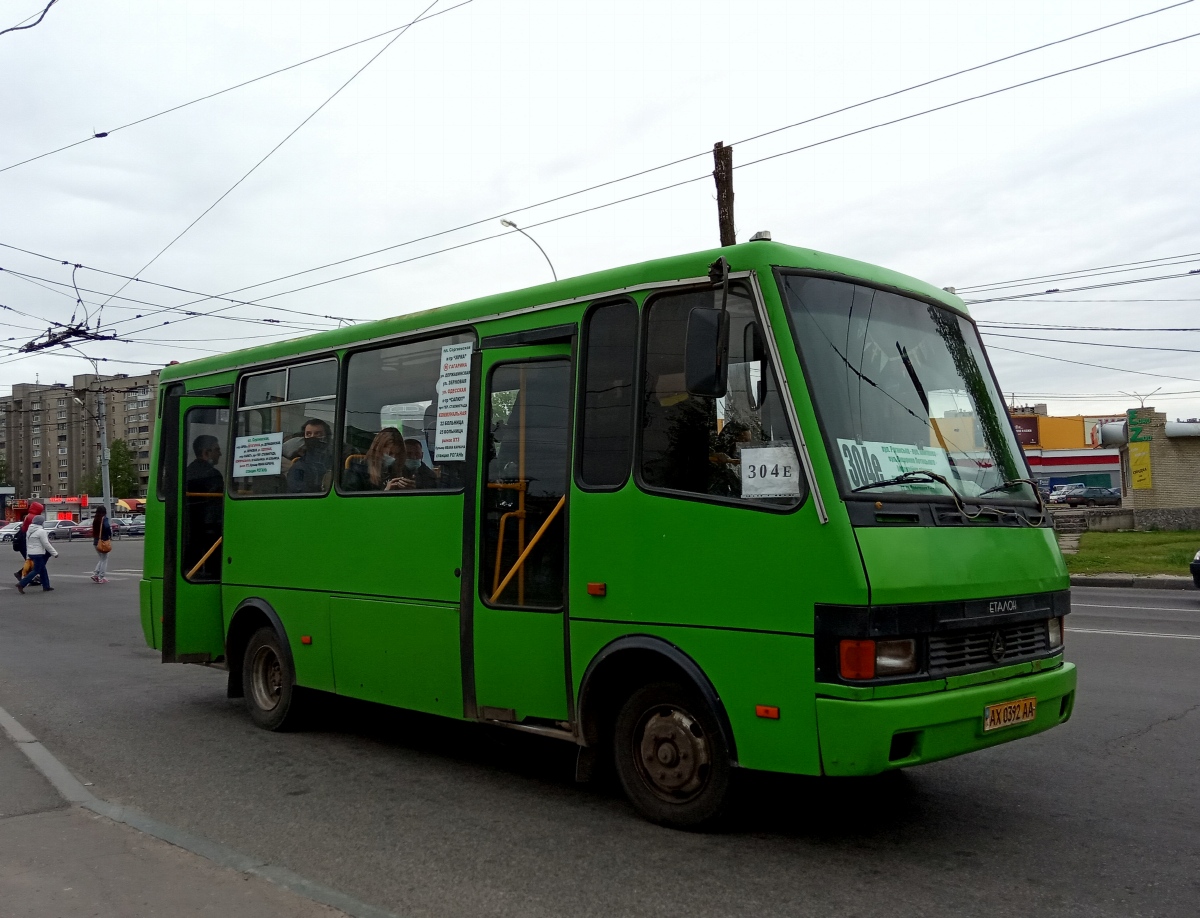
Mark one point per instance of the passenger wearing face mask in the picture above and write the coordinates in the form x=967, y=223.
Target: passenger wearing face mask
x=314, y=460
x=415, y=469
x=382, y=468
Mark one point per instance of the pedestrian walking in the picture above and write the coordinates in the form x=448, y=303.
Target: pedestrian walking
x=102, y=542
x=35, y=508
x=40, y=550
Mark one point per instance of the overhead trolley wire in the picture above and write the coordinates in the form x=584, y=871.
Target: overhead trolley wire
x=212, y=95
x=628, y=198
x=1134, y=347
x=675, y=162
x=1095, y=366
x=1125, y=283
x=288, y=137
x=1084, y=273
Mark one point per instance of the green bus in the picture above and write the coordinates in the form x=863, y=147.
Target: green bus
x=757, y=507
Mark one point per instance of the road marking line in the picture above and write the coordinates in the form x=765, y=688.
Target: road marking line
x=1182, y=637
x=1092, y=605
x=74, y=791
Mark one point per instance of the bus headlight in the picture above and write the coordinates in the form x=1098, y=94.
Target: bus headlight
x=895, y=658
x=1056, y=632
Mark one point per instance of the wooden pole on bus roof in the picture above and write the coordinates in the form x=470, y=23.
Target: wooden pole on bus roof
x=723, y=176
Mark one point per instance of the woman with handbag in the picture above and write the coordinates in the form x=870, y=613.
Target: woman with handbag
x=102, y=540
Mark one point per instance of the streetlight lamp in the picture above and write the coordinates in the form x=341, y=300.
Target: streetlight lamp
x=514, y=226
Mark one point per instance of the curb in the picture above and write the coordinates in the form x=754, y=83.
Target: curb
x=1149, y=582
x=74, y=792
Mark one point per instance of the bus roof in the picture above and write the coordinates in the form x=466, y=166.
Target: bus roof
x=760, y=255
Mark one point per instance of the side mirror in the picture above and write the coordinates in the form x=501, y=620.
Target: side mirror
x=706, y=357
x=755, y=351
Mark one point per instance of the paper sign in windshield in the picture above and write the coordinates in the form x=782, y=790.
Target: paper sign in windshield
x=770, y=471
x=453, y=404
x=871, y=461
x=257, y=455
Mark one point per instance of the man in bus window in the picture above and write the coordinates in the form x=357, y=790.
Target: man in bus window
x=308, y=471
x=204, y=502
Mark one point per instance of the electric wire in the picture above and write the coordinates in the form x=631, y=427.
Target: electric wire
x=558, y=198
x=1079, y=272
x=1125, y=283
x=271, y=152
x=212, y=95
x=18, y=27
x=1134, y=347
x=1095, y=366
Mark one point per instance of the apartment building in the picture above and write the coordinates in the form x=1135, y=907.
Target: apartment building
x=49, y=435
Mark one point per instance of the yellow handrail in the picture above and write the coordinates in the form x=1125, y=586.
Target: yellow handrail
x=208, y=554
x=519, y=564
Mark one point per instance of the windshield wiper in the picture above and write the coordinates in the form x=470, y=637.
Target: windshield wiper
x=906, y=478
x=1004, y=486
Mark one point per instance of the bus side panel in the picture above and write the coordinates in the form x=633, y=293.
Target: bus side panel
x=150, y=603
x=303, y=614
x=747, y=669
x=399, y=653
x=689, y=562
x=405, y=546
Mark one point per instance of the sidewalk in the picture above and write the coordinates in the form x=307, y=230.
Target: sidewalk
x=1144, y=581
x=61, y=857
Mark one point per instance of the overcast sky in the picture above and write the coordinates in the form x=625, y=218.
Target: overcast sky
x=494, y=106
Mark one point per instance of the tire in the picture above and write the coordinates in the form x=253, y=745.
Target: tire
x=1091, y=503
x=671, y=757
x=268, y=682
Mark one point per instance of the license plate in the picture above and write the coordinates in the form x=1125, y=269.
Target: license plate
x=1009, y=714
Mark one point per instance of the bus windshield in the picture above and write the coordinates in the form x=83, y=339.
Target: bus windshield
x=902, y=387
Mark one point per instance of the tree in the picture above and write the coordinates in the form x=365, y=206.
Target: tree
x=122, y=474
x=122, y=470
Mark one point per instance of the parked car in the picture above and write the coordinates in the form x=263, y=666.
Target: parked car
x=133, y=525
x=7, y=533
x=58, y=529
x=83, y=529
x=1093, y=497
x=1195, y=566
x=1058, y=495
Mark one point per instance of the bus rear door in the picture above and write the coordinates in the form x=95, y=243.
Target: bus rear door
x=192, y=624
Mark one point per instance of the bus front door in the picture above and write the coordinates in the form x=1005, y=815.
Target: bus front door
x=193, y=629
x=521, y=551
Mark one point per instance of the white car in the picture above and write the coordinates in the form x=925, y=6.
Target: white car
x=7, y=533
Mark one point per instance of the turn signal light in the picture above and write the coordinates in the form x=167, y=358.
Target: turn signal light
x=856, y=659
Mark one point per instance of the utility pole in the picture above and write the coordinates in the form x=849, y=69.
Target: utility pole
x=723, y=176
x=105, y=484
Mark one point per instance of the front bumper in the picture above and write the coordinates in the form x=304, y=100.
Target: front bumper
x=869, y=737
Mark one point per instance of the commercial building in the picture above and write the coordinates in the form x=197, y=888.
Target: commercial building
x=1066, y=450
x=50, y=437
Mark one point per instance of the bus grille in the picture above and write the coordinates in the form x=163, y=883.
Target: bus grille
x=968, y=651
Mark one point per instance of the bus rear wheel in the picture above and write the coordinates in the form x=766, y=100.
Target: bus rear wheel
x=268, y=683
x=671, y=757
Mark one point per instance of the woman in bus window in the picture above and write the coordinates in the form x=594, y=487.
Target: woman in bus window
x=381, y=469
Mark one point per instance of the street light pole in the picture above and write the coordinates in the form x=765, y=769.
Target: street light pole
x=102, y=428
x=514, y=226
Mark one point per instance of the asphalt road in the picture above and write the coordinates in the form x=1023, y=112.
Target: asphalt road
x=1100, y=817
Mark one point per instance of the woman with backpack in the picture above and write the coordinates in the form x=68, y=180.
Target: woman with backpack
x=35, y=509
x=102, y=542
x=40, y=550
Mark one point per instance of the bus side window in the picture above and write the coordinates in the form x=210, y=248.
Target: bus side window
x=284, y=432
x=735, y=447
x=401, y=402
x=606, y=412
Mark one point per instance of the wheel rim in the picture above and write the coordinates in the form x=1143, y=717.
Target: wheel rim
x=672, y=754
x=266, y=678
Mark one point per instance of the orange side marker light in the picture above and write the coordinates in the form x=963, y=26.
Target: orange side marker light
x=769, y=711
x=597, y=589
x=306, y=639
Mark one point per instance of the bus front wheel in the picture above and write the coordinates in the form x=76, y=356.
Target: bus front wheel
x=671, y=757
x=268, y=683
